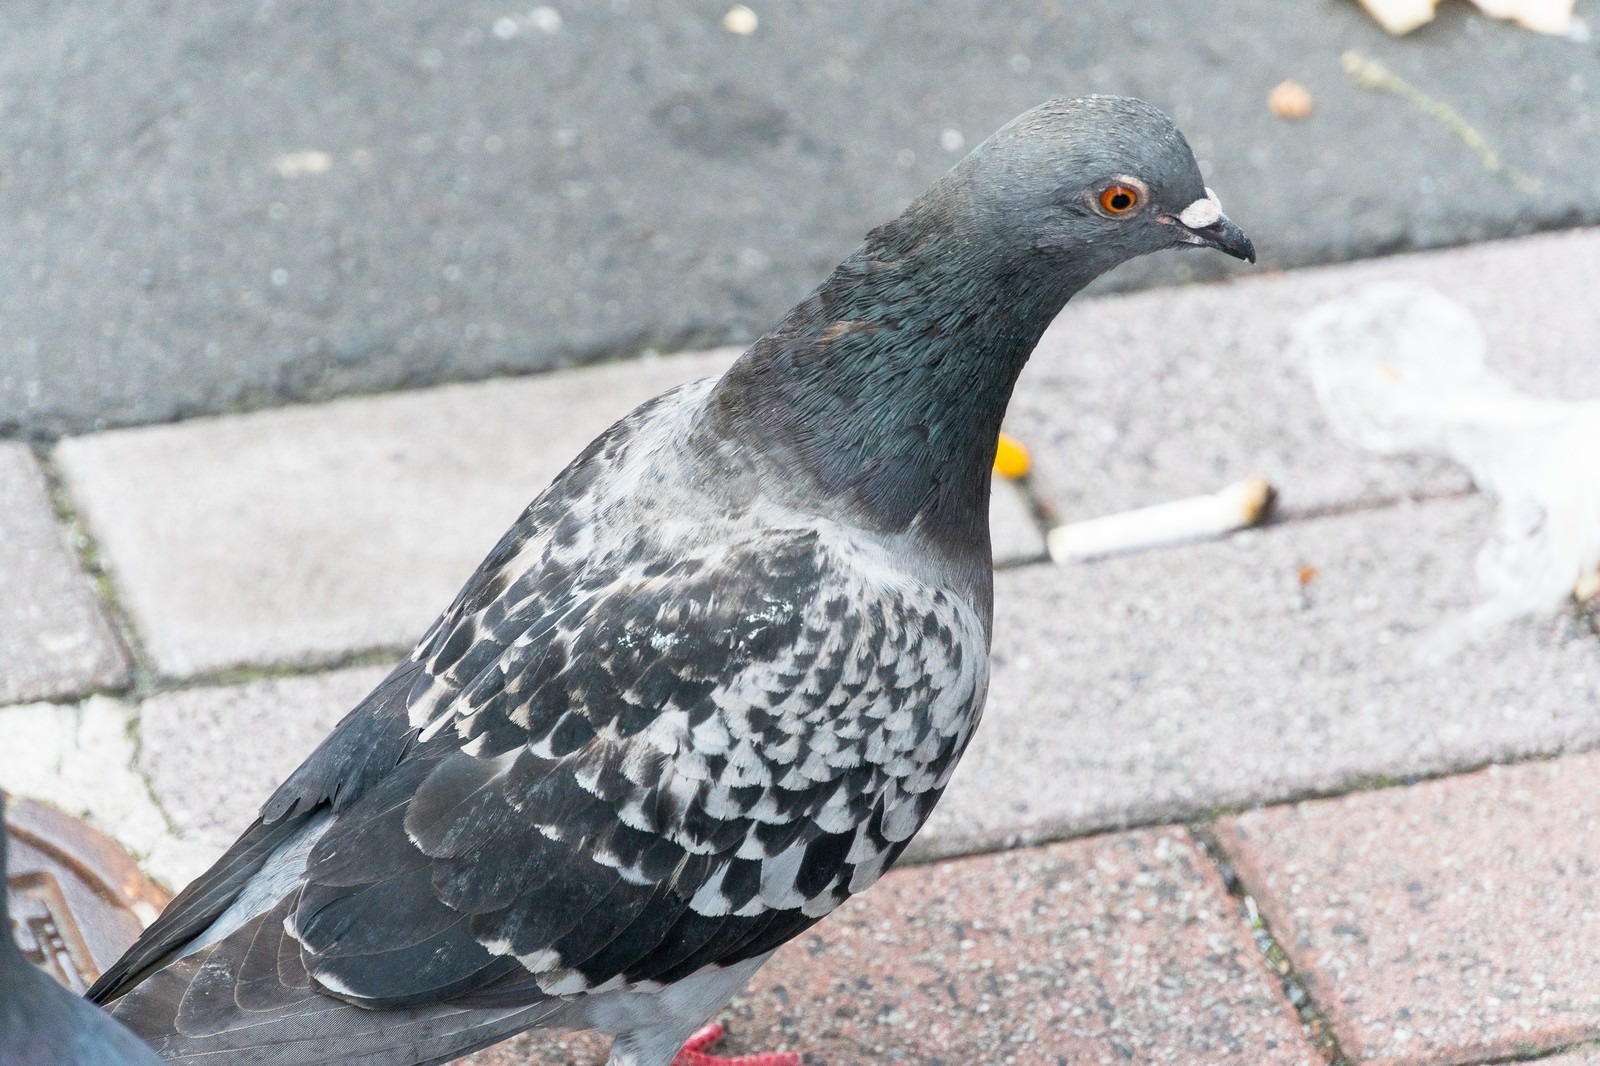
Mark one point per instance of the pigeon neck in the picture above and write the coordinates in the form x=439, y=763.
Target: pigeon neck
x=889, y=382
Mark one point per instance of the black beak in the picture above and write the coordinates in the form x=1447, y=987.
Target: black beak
x=1224, y=236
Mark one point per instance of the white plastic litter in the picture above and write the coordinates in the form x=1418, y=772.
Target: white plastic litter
x=1399, y=368
x=1546, y=16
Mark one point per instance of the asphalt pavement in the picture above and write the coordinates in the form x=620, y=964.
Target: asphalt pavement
x=210, y=208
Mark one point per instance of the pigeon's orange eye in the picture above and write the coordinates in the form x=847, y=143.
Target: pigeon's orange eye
x=1119, y=199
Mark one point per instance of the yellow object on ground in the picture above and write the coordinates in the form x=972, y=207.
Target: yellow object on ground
x=1011, y=459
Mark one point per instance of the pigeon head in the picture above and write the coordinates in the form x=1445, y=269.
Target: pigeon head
x=889, y=382
x=1081, y=186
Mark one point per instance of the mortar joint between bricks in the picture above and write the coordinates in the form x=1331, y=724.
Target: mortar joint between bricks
x=249, y=673
x=1538, y=1055
x=1293, y=988
x=86, y=550
x=145, y=678
x=1365, y=505
x=135, y=734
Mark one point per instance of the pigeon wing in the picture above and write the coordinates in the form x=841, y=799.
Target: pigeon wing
x=682, y=768
x=374, y=738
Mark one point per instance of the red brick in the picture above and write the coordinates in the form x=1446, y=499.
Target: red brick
x=1116, y=949
x=1455, y=919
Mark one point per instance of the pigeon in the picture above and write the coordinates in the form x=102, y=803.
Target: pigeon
x=706, y=687
x=43, y=1024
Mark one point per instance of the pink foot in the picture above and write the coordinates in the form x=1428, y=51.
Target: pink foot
x=694, y=1052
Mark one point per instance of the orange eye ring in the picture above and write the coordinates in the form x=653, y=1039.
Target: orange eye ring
x=1118, y=199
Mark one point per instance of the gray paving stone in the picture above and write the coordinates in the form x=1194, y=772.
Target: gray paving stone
x=299, y=534
x=213, y=754
x=54, y=638
x=302, y=534
x=1132, y=400
x=81, y=759
x=1159, y=686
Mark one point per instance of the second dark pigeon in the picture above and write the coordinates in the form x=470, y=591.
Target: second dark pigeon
x=43, y=1024
x=706, y=688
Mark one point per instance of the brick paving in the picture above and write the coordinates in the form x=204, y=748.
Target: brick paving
x=1443, y=922
x=1452, y=921
x=1118, y=949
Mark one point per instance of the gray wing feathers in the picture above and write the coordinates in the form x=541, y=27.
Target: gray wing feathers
x=607, y=766
x=250, y=999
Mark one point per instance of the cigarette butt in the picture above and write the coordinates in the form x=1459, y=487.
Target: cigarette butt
x=1236, y=507
x=1587, y=587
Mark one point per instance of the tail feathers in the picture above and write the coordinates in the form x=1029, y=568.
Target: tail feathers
x=248, y=998
x=196, y=907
